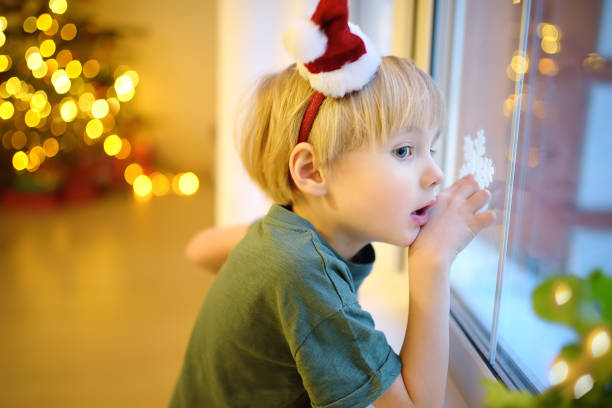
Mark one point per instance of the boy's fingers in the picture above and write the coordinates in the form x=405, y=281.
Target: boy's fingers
x=478, y=200
x=482, y=220
x=466, y=187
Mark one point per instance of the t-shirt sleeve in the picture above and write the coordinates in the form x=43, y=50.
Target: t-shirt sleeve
x=345, y=362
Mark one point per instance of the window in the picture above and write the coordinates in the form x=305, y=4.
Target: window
x=529, y=90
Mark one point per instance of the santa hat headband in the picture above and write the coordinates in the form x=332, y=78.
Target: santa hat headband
x=334, y=55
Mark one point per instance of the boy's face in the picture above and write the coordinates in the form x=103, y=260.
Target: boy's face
x=374, y=191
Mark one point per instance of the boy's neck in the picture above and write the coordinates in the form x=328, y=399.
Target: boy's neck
x=324, y=222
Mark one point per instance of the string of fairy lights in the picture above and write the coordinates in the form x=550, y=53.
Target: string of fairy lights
x=75, y=100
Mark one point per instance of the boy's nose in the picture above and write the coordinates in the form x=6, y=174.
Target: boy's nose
x=432, y=176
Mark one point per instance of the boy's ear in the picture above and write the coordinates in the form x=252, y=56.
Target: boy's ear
x=305, y=170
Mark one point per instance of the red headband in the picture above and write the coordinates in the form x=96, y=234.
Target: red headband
x=310, y=115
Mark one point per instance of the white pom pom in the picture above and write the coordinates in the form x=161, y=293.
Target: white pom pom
x=304, y=41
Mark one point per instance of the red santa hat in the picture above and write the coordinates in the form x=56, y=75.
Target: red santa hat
x=334, y=55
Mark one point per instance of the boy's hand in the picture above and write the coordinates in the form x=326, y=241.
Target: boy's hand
x=453, y=222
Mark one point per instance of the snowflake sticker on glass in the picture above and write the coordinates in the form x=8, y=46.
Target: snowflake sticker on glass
x=475, y=161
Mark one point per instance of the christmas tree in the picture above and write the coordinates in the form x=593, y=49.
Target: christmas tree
x=68, y=130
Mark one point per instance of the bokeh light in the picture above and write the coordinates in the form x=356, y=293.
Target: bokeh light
x=74, y=69
x=6, y=110
x=58, y=6
x=600, y=343
x=20, y=160
x=143, y=186
x=583, y=385
x=161, y=184
x=558, y=372
x=94, y=128
x=29, y=24
x=99, y=108
x=69, y=110
x=91, y=68
x=68, y=32
x=5, y=63
x=112, y=145
x=132, y=171
x=51, y=147
x=188, y=183
x=563, y=294
x=44, y=21
x=47, y=48
x=18, y=140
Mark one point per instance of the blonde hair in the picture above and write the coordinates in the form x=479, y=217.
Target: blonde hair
x=400, y=96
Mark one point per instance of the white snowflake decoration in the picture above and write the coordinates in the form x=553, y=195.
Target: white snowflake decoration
x=475, y=161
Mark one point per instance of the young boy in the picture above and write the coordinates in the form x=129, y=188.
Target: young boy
x=281, y=325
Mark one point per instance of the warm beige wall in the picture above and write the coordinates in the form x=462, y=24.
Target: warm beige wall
x=172, y=45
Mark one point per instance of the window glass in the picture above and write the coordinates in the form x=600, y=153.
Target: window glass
x=529, y=93
x=561, y=215
x=479, y=134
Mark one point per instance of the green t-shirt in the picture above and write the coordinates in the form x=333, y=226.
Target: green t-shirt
x=281, y=326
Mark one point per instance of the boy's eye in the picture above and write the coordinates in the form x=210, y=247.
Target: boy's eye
x=403, y=152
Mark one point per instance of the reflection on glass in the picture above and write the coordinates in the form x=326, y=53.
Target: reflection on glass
x=561, y=214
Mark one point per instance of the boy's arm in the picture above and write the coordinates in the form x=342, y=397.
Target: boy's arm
x=210, y=248
x=424, y=353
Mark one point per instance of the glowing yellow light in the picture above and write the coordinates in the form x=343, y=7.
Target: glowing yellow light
x=29, y=24
x=47, y=48
x=520, y=64
x=94, y=128
x=99, y=108
x=58, y=6
x=126, y=97
x=34, y=160
x=32, y=118
x=63, y=58
x=53, y=29
x=60, y=81
x=34, y=61
x=563, y=293
x=68, y=110
x=38, y=101
x=131, y=172
x=133, y=76
x=142, y=186
x=600, y=344
x=20, y=160
x=41, y=71
x=161, y=185
x=547, y=30
x=85, y=101
x=123, y=85
x=558, y=372
x=51, y=147
x=112, y=145
x=69, y=31
x=44, y=22
x=74, y=69
x=3, y=23
x=550, y=46
x=6, y=110
x=583, y=385
x=548, y=66
x=5, y=63
x=188, y=183
x=126, y=149
x=52, y=66
x=2, y=38
x=91, y=68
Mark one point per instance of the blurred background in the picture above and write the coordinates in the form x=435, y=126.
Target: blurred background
x=107, y=120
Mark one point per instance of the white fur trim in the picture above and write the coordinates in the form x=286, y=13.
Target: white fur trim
x=304, y=41
x=351, y=76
